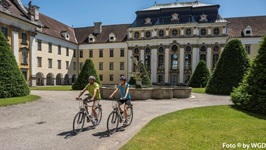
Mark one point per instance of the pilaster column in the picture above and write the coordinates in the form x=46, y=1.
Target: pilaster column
x=154, y=34
x=15, y=43
x=142, y=55
x=129, y=64
x=181, y=65
x=142, y=34
x=166, y=71
x=195, y=31
x=224, y=30
x=182, y=31
x=167, y=32
x=195, y=58
x=154, y=65
x=33, y=59
x=209, y=58
x=129, y=34
x=209, y=31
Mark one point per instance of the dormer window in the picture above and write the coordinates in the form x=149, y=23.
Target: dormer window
x=91, y=38
x=112, y=37
x=247, y=31
x=65, y=35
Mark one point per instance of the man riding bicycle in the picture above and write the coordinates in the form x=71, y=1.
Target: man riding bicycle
x=125, y=96
x=95, y=95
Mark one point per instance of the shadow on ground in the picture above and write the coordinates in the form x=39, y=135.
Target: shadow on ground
x=71, y=133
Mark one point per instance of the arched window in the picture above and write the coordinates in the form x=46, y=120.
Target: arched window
x=161, y=58
x=203, y=53
x=147, y=58
x=215, y=56
x=136, y=35
x=174, y=57
x=188, y=58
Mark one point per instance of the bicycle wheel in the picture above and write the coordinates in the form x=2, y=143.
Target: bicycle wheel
x=129, y=115
x=112, y=122
x=78, y=122
x=99, y=115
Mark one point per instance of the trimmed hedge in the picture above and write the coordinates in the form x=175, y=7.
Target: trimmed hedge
x=87, y=70
x=200, y=76
x=230, y=69
x=251, y=94
x=12, y=81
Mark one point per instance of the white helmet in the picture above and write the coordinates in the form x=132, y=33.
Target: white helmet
x=92, y=77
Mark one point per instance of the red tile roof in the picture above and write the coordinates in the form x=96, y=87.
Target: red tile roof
x=238, y=24
x=120, y=32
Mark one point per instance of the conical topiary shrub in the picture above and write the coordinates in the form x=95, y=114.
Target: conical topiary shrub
x=87, y=70
x=230, y=69
x=12, y=81
x=251, y=94
x=145, y=76
x=200, y=76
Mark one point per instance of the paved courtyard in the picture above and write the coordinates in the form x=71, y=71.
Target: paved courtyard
x=46, y=124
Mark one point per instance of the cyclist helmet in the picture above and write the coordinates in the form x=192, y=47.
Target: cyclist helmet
x=123, y=78
x=92, y=77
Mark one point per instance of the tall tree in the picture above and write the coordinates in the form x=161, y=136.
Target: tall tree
x=251, y=94
x=87, y=70
x=12, y=81
x=230, y=69
x=200, y=76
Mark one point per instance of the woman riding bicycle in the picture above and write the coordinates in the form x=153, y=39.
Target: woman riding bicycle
x=124, y=96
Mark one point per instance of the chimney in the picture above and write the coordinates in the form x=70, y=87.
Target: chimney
x=97, y=27
x=36, y=12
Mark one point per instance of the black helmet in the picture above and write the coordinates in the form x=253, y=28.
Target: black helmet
x=92, y=77
x=123, y=78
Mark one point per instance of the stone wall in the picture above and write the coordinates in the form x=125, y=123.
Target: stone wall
x=150, y=93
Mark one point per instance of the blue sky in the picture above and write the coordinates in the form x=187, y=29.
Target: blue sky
x=81, y=13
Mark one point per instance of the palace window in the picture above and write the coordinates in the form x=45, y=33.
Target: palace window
x=67, y=64
x=111, y=77
x=148, y=34
x=39, y=59
x=215, y=56
x=122, y=52
x=50, y=50
x=80, y=53
x=24, y=56
x=247, y=48
x=161, y=58
x=203, y=53
x=174, y=32
x=188, y=58
x=147, y=56
x=67, y=51
x=80, y=65
x=203, y=31
x=59, y=64
x=24, y=38
x=111, y=52
x=100, y=65
x=90, y=53
x=216, y=31
x=136, y=35
x=174, y=57
x=161, y=33
x=100, y=52
x=59, y=49
x=5, y=32
x=111, y=66
x=188, y=31
x=74, y=65
x=101, y=77
x=39, y=45
x=122, y=65
x=50, y=63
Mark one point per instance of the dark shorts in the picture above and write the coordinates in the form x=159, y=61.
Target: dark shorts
x=126, y=101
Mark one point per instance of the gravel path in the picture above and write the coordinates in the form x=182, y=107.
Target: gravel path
x=46, y=124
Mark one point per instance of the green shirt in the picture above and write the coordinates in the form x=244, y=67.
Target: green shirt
x=91, y=88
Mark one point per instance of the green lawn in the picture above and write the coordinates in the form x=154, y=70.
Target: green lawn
x=198, y=90
x=52, y=88
x=205, y=128
x=18, y=100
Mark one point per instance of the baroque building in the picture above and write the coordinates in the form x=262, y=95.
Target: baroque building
x=170, y=39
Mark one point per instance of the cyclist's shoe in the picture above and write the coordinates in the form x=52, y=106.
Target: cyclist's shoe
x=89, y=118
x=96, y=120
x=125, y=122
